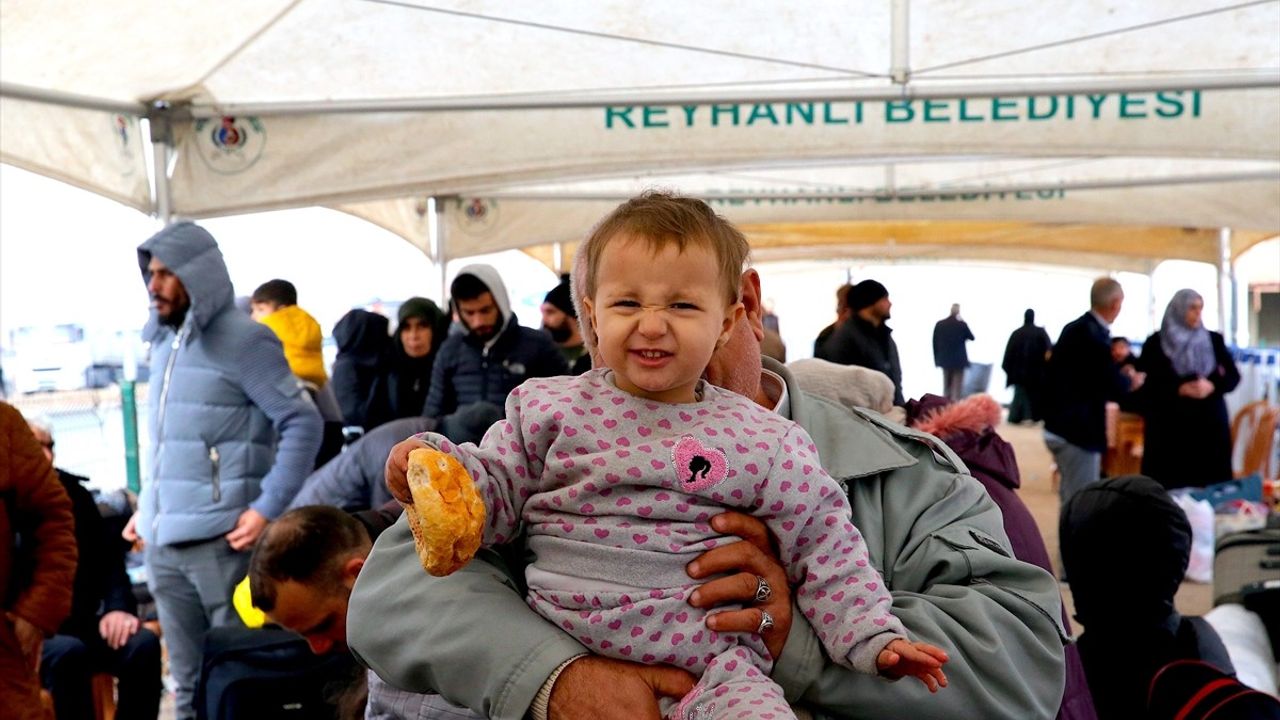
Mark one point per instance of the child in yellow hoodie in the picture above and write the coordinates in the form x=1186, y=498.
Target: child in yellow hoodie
x=275, y=304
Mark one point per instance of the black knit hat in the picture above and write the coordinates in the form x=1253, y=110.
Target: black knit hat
x=866, y=294
x=561, y=299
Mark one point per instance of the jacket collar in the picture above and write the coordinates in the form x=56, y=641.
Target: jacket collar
x=851, y=445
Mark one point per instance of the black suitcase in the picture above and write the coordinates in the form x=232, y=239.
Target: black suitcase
x=1242, y=559
x=269, y=673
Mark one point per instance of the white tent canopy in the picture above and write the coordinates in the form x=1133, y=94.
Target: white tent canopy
x=1096, y=113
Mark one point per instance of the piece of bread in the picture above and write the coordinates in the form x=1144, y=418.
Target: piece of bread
x=447, y=514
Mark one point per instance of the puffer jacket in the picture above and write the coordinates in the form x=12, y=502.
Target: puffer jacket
x=231, y=427
x=301, y=336
x=470, y=370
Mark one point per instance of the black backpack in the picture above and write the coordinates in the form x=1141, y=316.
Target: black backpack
x=1196, y=690
x=270, y=673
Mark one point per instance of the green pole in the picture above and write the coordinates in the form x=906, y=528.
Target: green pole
x=129, y=407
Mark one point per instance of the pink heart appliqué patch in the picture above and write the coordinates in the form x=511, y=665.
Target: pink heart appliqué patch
x=697, y=466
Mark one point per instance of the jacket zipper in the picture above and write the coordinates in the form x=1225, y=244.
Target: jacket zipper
x=216, y=462
x=164, y=404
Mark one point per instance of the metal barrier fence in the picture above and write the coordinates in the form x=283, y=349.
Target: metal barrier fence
x=88, y=430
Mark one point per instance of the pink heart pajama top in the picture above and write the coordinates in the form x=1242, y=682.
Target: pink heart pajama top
x=615, y=493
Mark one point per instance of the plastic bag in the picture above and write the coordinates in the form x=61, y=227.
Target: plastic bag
x=1200, y=516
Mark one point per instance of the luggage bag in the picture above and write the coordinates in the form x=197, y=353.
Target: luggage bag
x=1243, y=559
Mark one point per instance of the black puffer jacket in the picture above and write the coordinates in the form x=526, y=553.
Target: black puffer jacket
x=470, y=369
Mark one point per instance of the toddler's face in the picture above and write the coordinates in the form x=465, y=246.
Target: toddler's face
x=658, y=318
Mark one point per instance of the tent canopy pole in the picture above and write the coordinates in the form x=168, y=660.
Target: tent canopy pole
x=161, y=131
x=1226, y=287
x=900, y=61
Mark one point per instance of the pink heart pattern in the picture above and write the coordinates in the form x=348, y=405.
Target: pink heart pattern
x=603, y=468
x=698, y=467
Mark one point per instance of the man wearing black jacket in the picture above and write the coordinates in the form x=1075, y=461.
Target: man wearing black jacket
x=494, y=355
x=864, y=339
x=1081, y=379
x=103, y=633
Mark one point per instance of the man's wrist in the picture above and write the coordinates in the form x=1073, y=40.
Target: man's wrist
x=538, y=710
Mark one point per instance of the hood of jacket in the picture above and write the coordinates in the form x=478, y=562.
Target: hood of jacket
x=488, y=275
x=362, y=336
x=968, y=428
x=1125, y=546
x=191, y=253
x=295, y=326
x=301, y=336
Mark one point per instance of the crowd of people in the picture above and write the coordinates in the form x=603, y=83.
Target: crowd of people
x=679, y=525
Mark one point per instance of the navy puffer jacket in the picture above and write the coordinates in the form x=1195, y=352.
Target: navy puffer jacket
x=470, y=370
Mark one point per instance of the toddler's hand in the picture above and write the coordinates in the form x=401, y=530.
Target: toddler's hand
x=919, y=659
x=398, y=469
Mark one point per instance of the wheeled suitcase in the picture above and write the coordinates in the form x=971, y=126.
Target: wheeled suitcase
x=1242, y=559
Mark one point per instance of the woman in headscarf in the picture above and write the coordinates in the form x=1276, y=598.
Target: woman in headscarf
x=421, y=331
x=1188, y=434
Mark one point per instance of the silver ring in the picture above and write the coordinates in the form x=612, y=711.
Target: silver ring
x=763, y=591
x=766, y=622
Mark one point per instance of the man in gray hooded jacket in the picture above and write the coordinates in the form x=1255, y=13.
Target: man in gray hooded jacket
x=233, y=435
x=494, y=355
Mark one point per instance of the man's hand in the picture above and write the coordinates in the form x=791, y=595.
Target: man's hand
x=598, y=688
x=116, y=627
x=919, y=659
x=398, y=469
x=248, y=527
x=30, y=639
x=754, y=557
x=130, y=531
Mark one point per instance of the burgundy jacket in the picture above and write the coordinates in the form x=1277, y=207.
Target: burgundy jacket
x=968, y=428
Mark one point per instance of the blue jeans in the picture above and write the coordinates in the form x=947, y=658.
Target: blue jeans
x=192, y=585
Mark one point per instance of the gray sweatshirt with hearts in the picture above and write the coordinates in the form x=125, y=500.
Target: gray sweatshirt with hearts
x=615, y=493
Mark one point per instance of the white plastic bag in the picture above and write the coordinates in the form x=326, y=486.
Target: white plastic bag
x=1200, y=515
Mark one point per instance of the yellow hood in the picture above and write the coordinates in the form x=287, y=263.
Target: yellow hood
x=301, y=336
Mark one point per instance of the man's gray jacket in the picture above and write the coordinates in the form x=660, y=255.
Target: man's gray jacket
x=231, y=427
x=930, y=528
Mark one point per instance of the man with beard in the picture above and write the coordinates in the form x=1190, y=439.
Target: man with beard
x=561, y=322
x=233, y=435
x=864, y=339
x=494, y=355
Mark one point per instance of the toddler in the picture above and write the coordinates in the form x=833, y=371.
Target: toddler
x=615, y=474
